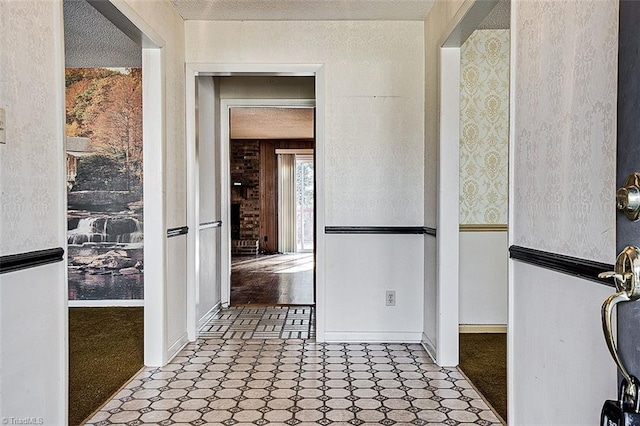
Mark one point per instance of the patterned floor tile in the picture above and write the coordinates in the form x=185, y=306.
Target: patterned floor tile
x=270, y=322
x=296, y=382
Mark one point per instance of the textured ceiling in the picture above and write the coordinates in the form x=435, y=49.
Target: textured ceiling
x=499, y=18
x=92, y=41
x=303, y=10
x=271, y=123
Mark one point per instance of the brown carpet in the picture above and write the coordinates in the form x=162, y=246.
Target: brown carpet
x=483, y=358
x=105, y=351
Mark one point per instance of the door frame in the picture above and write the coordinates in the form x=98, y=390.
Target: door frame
x=194, y=70
x=447, y=304
x=124, y=17
x=511, y=406
x=225, y=181
x=466, y=20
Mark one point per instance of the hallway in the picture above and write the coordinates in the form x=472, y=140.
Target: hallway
x=279, y=279
x=228, y=382
x=262, y=381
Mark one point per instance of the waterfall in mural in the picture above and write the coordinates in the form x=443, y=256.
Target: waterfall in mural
x=105, y=257
x=103, y=229
x=104, y=182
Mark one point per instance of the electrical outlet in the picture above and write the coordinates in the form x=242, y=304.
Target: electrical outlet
x=391, y=298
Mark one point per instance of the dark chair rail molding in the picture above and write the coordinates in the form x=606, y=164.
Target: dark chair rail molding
x=389, y=230
x=575, y=266
x=31, y=259
x=174, y=232
x=214, y=224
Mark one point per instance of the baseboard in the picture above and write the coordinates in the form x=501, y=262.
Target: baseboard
x=428, y=346
x=483, y=328
x=206, y=317
x=113, y=395
x=484, y=399
x=104, y=303
x=177, y=346
x=371, y=337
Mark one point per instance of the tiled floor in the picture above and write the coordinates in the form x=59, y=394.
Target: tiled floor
x=270, y=322
x=289, y=382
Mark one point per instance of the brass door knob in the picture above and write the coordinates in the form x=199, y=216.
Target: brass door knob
x=628, y=197
x=627, y=278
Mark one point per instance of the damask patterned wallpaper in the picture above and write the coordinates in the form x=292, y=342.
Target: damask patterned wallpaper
x=484, y=127
x=31, y=161
x=437, y=25
x=565, y=127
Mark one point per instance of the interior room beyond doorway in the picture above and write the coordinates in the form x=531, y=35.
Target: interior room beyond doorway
x=272, y=199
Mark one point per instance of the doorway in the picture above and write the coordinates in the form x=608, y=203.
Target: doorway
x=272, y=195
x=474, y=181
x=246, y=97
x=111, y=325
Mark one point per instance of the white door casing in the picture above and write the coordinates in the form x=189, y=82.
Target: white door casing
x=123, y=16
x=194, y=70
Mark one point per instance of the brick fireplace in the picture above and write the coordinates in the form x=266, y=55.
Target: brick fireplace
x=245, y=197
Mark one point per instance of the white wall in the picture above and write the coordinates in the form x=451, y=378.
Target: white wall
x=208, y=292
x=373, y=70
x=359, y=314
x=561, y=359
x=373, y=141
x=483, y=278
x=564, y=57
x=208, y=296
x=33, y=305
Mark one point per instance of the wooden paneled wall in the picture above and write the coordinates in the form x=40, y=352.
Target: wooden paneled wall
x=269, y=189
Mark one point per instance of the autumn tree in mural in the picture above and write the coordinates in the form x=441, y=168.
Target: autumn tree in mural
x=106, y=106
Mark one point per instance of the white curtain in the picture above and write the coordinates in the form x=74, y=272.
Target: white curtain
x=286, y=203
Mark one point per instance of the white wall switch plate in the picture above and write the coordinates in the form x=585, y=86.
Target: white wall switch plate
x=3, y=133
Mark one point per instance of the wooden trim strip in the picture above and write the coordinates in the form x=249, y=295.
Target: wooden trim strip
x=483, y=228
x=482, y=328
x=207, y=225
x=581, y=268
x=31, y=259
x=174, y=232
x=380, y=230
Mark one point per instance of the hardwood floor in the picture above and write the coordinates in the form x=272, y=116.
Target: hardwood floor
x=282, y=279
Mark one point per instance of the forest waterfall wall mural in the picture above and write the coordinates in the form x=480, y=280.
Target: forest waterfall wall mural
x=104, y=183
